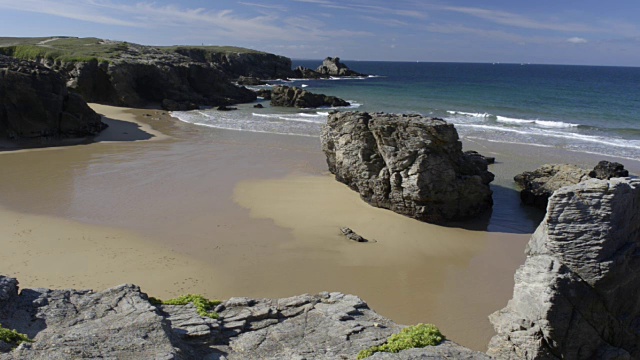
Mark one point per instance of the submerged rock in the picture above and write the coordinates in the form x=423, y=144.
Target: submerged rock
x=576, y=296
x=296, y=97
x=34, y=102
x=407, y=163
x=120, y=323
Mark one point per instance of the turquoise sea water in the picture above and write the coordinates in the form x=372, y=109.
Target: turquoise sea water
x=579, y=108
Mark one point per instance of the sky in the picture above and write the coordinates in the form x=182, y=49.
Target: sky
x=586, y=32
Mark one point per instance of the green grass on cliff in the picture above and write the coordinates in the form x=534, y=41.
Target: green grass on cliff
x=203, y=305
x=12, y=337
x=417, y=336
x=67, y=49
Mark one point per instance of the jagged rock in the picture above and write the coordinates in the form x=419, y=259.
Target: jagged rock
x=34, y=102
x=251, y=81
x=296, y=97
x=333, y=67
x=120, y=323
x=406, y=163
x=606, y=170
x=351, y=235
x=538, y=185
x=576, y=296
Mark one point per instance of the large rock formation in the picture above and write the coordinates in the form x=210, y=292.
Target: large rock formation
x=120, y=323
x=296, y=97
x=407, y=163
x=538, y=185
x=576, y=296
x=333, y=67
x=34, y=102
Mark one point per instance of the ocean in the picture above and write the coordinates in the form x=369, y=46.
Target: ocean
x=588, y=109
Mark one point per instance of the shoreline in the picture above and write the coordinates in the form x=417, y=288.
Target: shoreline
x=215, y=205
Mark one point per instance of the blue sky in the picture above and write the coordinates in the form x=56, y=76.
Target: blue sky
x=543, y=31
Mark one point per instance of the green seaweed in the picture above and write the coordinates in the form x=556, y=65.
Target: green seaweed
x=12, y=337
x=417, y=336
x=203, y=305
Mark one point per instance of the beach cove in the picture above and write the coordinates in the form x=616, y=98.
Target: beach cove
x=228, y=213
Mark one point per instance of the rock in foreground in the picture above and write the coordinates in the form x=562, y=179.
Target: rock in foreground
x=120, y=323
x=296, y=97
x=576, y=296
x=34, y=102
x=407, y=163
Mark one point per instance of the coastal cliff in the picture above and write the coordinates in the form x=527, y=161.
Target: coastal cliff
x=34, y=102
x=407, y=163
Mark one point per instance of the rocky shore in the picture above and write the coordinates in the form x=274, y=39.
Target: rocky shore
x=300, y=98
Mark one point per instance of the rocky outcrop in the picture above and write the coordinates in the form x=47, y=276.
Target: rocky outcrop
x=576, y=296
x=538, y=185
x=120, y=323
x=296, y=97
x=302, y=72
x=249, y=80
x=34, y=102
x=333, y=67
x=407, y=163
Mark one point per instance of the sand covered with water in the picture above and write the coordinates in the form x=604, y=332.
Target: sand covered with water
x=178, y=208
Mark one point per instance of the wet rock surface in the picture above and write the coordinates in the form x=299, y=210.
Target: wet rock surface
x=407, y=163
x=299, y=98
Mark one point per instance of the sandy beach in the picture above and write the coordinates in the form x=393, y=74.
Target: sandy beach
x=177, y=208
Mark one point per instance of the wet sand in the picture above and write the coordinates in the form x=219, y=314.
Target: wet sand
x=227, y=213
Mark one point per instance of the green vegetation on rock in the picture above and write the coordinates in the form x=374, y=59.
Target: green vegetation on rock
x=203, y=305
x=12, y=337
x=417, y=336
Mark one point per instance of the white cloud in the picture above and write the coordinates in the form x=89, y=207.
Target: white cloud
x=577, y=40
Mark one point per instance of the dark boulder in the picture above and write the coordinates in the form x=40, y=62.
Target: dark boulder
x=606, y=170
x=35, y=102
x=264, y=93
x=407, y=163
x=296, y=97
x=226, y=108
x=172, y=105
x=258, y=106
x=251, y=81
x=302, y=72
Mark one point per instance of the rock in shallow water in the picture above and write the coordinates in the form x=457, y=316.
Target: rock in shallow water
x=576, y=296
x=407, y=163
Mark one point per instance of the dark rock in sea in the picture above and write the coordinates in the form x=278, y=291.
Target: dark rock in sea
x=606, y=170
x=120, y=323
x=296, y=97
x=34, y=102
x=251, y=81
x=476, y=156
x=172, y=105
x=576, y=296
x=264, y=93
x=333, y=67
x=225, y=108
x=407, y=163
x=305, y=73
x=351, y=235
x=258, y=106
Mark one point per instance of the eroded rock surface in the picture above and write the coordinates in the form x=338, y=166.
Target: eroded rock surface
x=120, y=323
x=333, y=67
x=407, y=163
x=34, y=102
x=576, y=296
x=296, y=97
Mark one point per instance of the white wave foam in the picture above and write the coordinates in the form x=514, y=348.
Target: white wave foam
x=254, y=130
x=304, y=85
x=322, y=113
x=541, y=123
x=480, y=115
